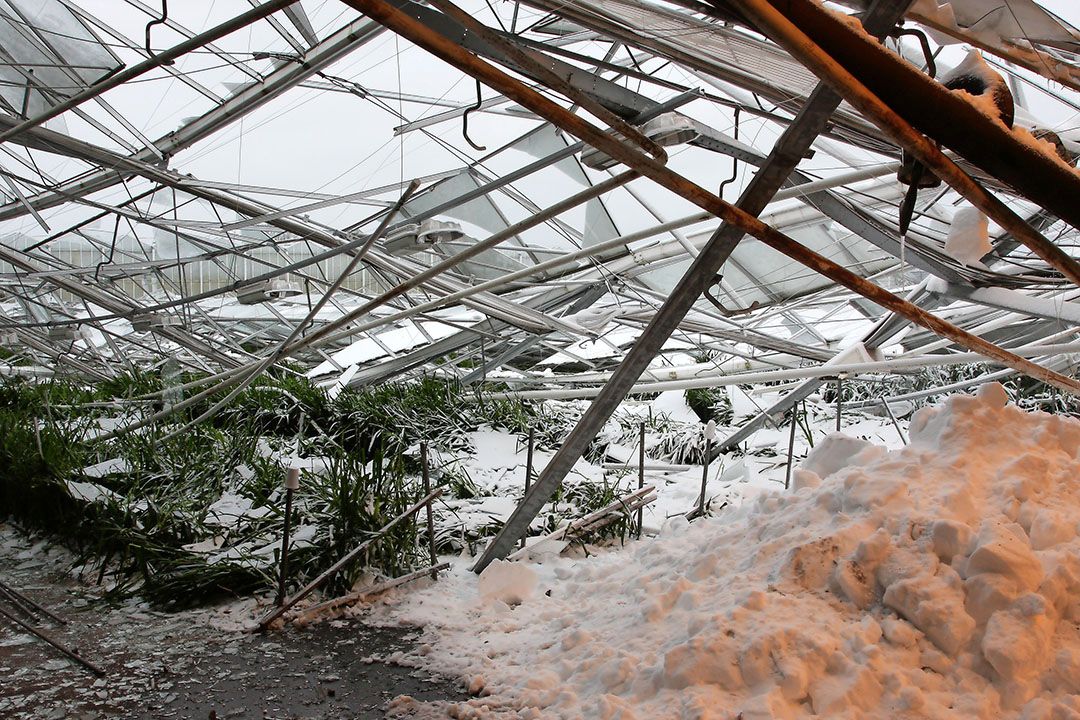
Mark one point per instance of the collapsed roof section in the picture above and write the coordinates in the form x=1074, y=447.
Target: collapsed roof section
x=229, y=187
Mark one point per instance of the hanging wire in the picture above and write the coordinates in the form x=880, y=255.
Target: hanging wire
x=112, y=250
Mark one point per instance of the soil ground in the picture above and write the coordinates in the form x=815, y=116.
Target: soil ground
x=184, y=665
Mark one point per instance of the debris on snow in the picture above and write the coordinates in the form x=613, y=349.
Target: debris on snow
x=969, y=237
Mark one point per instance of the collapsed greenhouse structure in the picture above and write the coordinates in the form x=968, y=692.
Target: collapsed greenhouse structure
x=646, y=358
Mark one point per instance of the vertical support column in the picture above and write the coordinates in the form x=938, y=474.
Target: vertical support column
x=425, y=473
x=791, y=445
x=292, y=484
x=710, y=435
x=641, y=476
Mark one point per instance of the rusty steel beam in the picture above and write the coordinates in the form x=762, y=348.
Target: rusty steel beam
x=926, y=105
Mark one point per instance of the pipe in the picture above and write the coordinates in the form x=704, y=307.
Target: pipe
x=891, y=365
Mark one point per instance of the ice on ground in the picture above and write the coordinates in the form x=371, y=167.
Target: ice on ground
x=940, y=580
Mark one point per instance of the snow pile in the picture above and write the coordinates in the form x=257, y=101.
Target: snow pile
x=937, y=581
x=507, y=582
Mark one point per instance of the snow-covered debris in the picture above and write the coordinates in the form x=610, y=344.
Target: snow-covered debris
x=231, y=508
x=941, y=580
x=88, y=491
x=969, y=237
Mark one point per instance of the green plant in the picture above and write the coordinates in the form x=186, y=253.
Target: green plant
x=710, y=404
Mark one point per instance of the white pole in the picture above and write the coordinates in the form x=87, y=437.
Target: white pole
x=903, y=363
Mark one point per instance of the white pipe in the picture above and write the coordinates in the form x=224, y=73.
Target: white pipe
x=25, y=371
x=870, y=173
x=904, y=363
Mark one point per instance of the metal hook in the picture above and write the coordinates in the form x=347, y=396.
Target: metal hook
x=931, y=66
x=720, y=306
x=160, y=21
x=734, y=160
x=465, y=121
x=112, y=251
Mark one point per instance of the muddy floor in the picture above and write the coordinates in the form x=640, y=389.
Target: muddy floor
x=188, y=664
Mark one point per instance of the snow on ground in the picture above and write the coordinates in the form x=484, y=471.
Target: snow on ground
x=938, y=580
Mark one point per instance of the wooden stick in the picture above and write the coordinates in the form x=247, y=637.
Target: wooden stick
x=424, y=37
x=434, y=570
x=41, y=634
x=352, y=555
x=596, y=523
x=17, y=596
x=608, y=513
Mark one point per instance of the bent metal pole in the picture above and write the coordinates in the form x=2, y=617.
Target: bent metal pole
x=326, y=333
x=690, y=287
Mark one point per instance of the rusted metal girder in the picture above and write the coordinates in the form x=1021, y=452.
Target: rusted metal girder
x=925, y=104
x=697, y=277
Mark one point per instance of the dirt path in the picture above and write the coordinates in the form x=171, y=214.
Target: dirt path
x=179, y=665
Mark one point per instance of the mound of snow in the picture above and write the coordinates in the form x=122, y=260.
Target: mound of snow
x=507, y=582
x=937, y=581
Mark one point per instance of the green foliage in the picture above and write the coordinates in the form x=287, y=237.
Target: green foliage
x=398, y=415
x=710, y=404
x=150, y=529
